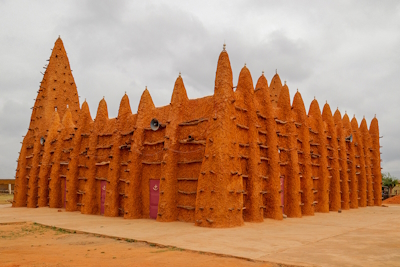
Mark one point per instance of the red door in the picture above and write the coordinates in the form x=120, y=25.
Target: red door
x=65, y=192
x=103, y=196
x=154, y=197
x=283, y=193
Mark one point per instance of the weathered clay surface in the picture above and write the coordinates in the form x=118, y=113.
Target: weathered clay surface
x=342, y=156
x=333, y=159
x=304, y=155
x=238, y=155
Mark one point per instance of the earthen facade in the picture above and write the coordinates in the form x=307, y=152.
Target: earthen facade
x=217, y=161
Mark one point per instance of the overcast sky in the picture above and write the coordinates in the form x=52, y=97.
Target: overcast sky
x=345, y=52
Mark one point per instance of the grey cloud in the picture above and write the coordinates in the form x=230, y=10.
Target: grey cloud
x=344, y=52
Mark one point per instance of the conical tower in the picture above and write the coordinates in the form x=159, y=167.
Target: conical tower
x=342, y=154
x=303, y=150
x=220, y=171
x=268, y=141
x=57, y=90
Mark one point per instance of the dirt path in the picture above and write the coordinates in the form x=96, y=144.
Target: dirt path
x=29, y=244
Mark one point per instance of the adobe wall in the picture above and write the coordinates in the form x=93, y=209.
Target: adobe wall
x=342, y=156
x=288, y=156
x=376, y=161
x=319, y=164
x=236, y=156
x=269, y=156
x=360, y=164
x=351, y=164
x=304, y=155
x=333, y=160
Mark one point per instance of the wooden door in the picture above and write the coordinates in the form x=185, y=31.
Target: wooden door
x=154, y=198
x=65, y=192
x=283, y=193
x=103, y=196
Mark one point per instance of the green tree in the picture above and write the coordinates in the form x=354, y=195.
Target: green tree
x=389, y=180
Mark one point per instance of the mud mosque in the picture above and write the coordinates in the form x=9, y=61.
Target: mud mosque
x=243, y=154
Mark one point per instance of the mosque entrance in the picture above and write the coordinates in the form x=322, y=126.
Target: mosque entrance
x=154, y=197
x=103, y=196
x=282, y=193
x=64, y=190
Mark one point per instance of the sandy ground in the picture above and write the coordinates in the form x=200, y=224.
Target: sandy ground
x=30, y=244
x=392, y=200
x=6, y=198
x=359, y=237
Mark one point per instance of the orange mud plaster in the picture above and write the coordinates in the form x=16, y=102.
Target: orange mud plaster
x=218, y=161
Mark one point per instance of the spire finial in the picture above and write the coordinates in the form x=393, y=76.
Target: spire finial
x=276, y=71
x=297, y=89
x=314, y=97
x=354, y=115
x=363, y=116
x=262, y=73
x=223, y=47
x=375, y=116
x=345, y=111
x=179, y=74
x=285, y=82
x=146, y=87
x=326, y=102
x=103, y=96
x=125, y=92
x=245, y=64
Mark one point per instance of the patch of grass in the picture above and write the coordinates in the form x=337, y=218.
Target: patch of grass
x=26, y=229
x=167, y=249
x=159, y=251
x=62, y=231
x=176, y=249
